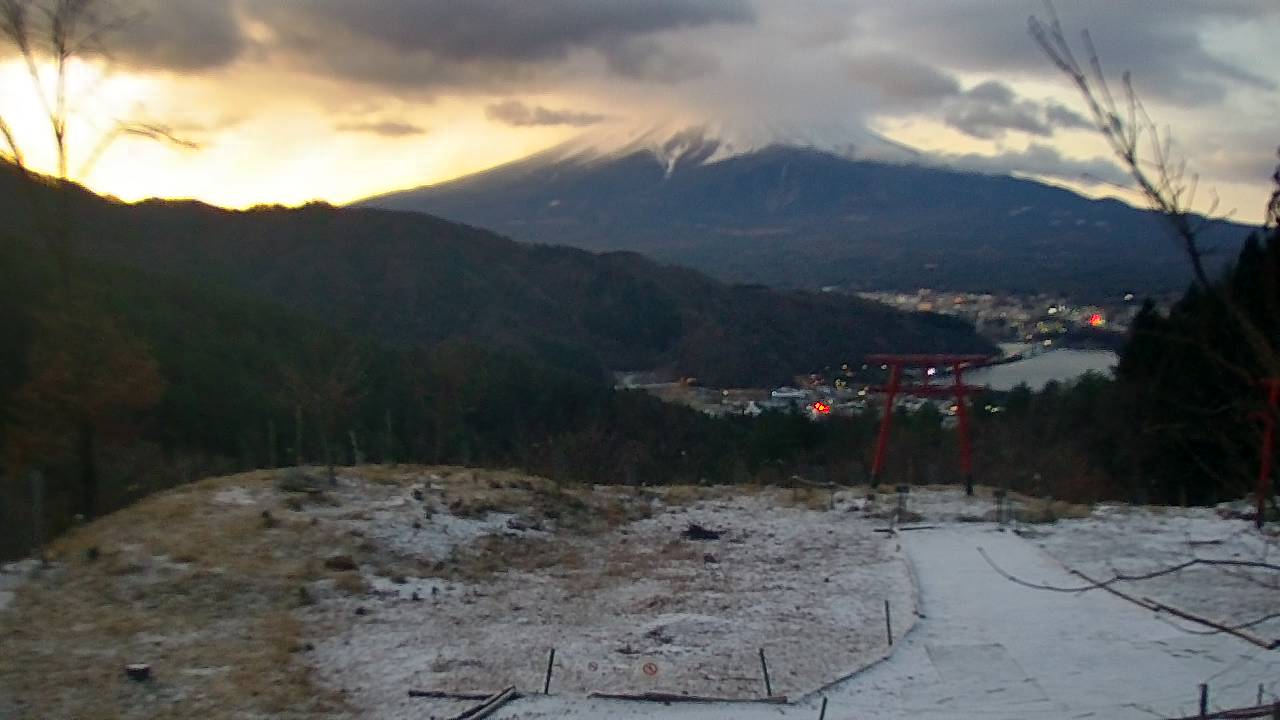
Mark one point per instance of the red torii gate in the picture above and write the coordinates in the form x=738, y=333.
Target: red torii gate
x=957, y=389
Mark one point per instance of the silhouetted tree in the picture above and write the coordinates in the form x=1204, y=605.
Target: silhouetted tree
x=1219, y=343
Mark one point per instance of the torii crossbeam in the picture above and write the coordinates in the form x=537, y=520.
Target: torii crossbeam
x=957, y=389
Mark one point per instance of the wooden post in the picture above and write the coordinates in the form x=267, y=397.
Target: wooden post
x=546, y=684
x=37, y=514
x=357, y=456
x=389, y=442
x=822, y=713
x=271, y=444
x=297, y=435
x=1204, y=700
x=764, y=667
x=888, y=624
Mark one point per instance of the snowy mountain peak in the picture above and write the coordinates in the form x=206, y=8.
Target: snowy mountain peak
x=681, y=143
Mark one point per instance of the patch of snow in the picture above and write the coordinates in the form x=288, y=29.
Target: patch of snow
x=12, y=576
x=1138, y=540
x=435, y=537
x=237, y=495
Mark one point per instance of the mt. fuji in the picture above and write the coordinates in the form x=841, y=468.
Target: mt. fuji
x=817, y=208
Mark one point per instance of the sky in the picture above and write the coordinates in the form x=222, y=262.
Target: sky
x=287, y=101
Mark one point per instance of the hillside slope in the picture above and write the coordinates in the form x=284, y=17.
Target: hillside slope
x=410, y=278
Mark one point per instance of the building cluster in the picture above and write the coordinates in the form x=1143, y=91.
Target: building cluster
x=1017, y=318
x=814, y=396
x=1025, y=324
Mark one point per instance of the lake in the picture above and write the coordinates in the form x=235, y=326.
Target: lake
x=1061, y=365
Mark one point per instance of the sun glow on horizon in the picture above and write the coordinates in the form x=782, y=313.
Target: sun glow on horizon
x=290, y=152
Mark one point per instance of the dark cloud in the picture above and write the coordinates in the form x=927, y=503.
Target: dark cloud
x=1064, y=117
x=899, y=78
x=518, y=114
x=1164, y=46
x=992, y=92
x=644, y=59
x=987, y=110
x=1042, y=160
x=501, y=29
x=182, y=35
x=178, y=35
x=481, y=43
x=990, y=109
x=386, y=128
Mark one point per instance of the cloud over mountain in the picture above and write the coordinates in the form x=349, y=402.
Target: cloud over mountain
x=518, y=114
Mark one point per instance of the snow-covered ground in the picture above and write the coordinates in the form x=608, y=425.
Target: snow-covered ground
x=637, y=609
x=454, y=579
x=991, y=649
x=1128, y=540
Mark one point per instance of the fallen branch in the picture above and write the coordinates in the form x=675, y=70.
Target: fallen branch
x=905, y=528
x=1120, y=577
x=1258, y=711
x=489, y=706
x=670, y=697
x=1148, y=603
x=446, y=695
x=1155, y=606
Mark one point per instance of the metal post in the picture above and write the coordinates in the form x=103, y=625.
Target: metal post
x=962, y=415
x=764, y=667
x=1204, y=700
x=822, y=713
x=888, y=623
x=546, y=684
x=882, y=443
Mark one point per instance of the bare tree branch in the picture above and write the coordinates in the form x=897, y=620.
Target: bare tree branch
x=1121, y=577
x=1236, y=630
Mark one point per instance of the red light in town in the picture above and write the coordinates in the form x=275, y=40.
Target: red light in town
x=1096, y=320
x=822, y=408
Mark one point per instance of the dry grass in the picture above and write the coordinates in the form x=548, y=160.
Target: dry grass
x=1040, y=511
x=199, y=590
x=805, y=497
x=495, y=553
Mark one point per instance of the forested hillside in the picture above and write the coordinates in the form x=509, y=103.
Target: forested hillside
x=408, y=279
x=180, y=380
